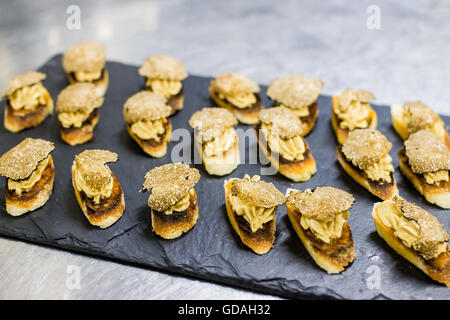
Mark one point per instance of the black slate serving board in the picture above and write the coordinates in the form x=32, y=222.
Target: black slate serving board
x=211, y=250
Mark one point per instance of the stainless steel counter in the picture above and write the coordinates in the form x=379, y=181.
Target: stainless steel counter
x=406, y=59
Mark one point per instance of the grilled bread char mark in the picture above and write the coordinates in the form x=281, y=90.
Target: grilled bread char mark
x=381, y=189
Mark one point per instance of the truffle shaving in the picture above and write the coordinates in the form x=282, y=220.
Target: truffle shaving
x=256, y=192
x=146, y=106
x=24, y=80
x=78, y=97
x=365, y=147
x=211, y=122
x=234, y=84
x=322, y=204
x=284, y=122
x=20, y=162
x=169, y=184
x=426, y=152
x=162, y=67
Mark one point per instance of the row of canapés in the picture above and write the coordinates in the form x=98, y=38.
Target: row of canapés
x=280, y=129
x=318, y=216
x=363, y=151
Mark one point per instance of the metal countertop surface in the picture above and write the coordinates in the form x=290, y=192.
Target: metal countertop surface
x=406, y=59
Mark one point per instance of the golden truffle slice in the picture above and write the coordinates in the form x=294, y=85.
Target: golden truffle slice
x=251, y=205
x=239, y=95
x=365, y=157
x=299, y=94
x=77, y=108
x=85, y=62
x=173, y=202
x=425, y=161
x=351, y=110
x=28, y=103
x=416, y=235
x=415, y=116
x=319, y=219
x=146, y=115
x=216, y=140
x=279, y=135
x=164, y=75
x=97, y=189
x=29, y=170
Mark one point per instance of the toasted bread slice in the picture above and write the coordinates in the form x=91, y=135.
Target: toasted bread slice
x=260, y=241
x=16, y=121
x=401, y=127
x=342, y=134
x=156, y=149
x=247, y=115
x=101, y=84
x=35, y=198
x=437, y=269
x=333, y=257
x=108, y=211
x=224, y=164
x=297, y=170
x=171, y=226
x=436, y=194
x=176, y=102
x=382, y=190
x=75, y=136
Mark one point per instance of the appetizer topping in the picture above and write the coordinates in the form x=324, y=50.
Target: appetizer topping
x=145, y=106
x=211, y=123
x=169, y=184
x=75, y=104
x=181, y=205
x=418, y=116
x=415, y=227
x=368, y=150
x=324, y=211
x=29, y=98
x=165, y=87
x=237, y=89
x=88, y=76
x=256, y=192
x=353, y=109
x=295, y=91
x=255, y=200
x=282, y=130
x=92, y=176
x=162, y=67
x=20, y=186
x=86, y=59
x=146, y=113
x=220, y=144
x=147, y=130
x=428, y=155
x=24, y=80
x=21, y=161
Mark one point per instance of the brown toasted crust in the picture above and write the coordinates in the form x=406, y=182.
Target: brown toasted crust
x=176, y=102
x=108, y=211
x=101, y=84
x=152, y=147
x=74, y=136
x=16, y=121
x=384, y=191
x=332, y=257
x=310, y=120
x=247, y=116
x=437, y=269
x=342, y=134
x=260, y=241
x=297, y=170
x=35, y=198
x=171, y=226
x=436, y=194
